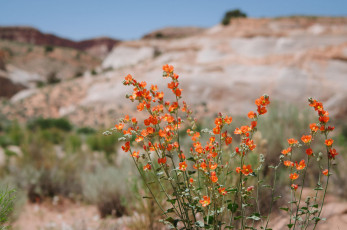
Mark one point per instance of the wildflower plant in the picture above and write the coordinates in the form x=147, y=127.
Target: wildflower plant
x=214, y=185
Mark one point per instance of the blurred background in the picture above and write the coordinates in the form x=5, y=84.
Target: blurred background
x=62, y=64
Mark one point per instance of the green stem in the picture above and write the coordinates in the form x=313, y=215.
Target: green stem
x=302, y=188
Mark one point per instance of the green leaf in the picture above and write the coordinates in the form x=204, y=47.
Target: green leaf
x=191, y=159
x=170, y=210
x=191, y=172
x=147, y=197
x=285, y=209
x=172, y=201
x=237, y=217
x=233, y=207
x=254, y=217
x=210, y=219
x=290, y=226
x=318, y=188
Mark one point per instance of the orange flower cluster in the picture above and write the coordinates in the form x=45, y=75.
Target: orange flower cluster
x=205, y=201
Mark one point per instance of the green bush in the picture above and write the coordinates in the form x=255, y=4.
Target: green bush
x=49, y=49
x=232, y=14
x=48, y=123
x=7, y=197
x=86, y=130
x=106, y=144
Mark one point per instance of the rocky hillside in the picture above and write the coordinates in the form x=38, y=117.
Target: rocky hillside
x=23, y=65
x=221, y=69
x=98, y=47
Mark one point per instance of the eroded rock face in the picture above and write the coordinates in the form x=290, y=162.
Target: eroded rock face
x=8, y=88
x=124, y=56
x=223, y=68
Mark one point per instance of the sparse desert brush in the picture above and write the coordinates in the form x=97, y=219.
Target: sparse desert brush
x=213, y=185
x=106, y=187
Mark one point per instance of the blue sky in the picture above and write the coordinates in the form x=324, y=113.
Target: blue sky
x=130, y=19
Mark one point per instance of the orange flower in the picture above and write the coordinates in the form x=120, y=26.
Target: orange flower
x=250, y=188
x=252, y=114
x=329, y=142
x=191, y=180
x=139, y=138
x=292, y=141
x=333, y=153
x=136, y=154
x=216, y=130
x=309, y=151
x=288, y=163
x=306, y=139
x=128, y=79
x=301, y=165
x=326, y=172
x=286, y=151
x=262, y=101
x=119, y=126
x=228, y=120
x=261, y=110
x=182, y=156
x=238, y=169
x=222, y=191
x=154, y=88
x=133, y=120
x=294, y=186
x=213, y=177
x=324, y=119
x=168, y=68
x=294, y=176
x=213, y=166
x=205, y=201
x=203, y=166
x=196, y=136
x=228, y=140
x=147, y=167
x=183, y=166
x=246, y=170
x=253, y=124
x=314, y=127
x=126, y=147
x=162, y=160
x=178, y=92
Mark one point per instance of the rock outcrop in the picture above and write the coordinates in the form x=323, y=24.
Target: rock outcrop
x=98, y=46
x=224, y=68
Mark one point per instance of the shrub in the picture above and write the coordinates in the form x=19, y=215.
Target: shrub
x=214, y=185
x=49, y=49
x=86, y=130
x=7, y=197
x=97, y=142
x=48, y=123
x=106, y=188
x=232, y=14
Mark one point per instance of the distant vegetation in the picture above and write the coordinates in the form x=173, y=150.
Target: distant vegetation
x=232, y=14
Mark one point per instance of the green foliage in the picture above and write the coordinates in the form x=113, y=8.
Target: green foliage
x=49, y=49
x=93, y=72
x=48, y=123
x=73, y=143
x=86, y=130
x=99, y=142
x=232, y=14
x=7, y=197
